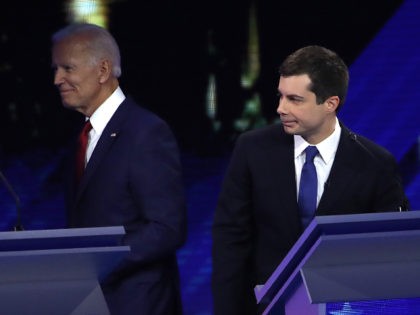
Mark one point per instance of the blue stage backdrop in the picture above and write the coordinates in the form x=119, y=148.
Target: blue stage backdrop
x=382, y=105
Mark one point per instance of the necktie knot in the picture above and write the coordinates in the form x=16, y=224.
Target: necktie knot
x=311, y=151
x=86, y=128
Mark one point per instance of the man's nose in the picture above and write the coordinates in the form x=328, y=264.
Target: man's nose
x=282, y=106
x=58, y=78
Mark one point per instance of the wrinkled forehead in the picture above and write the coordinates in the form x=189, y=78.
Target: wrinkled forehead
x=70, y=53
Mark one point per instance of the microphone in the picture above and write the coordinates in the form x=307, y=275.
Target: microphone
x=353, y=137
x=18, y=226
x=405, y=204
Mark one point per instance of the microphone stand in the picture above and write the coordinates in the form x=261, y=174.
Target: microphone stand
x=18, y=226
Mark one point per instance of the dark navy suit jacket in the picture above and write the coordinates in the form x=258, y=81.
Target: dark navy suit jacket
x=257, y=219
x=134, y=179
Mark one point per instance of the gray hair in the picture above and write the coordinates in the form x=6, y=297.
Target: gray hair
x=101, y=43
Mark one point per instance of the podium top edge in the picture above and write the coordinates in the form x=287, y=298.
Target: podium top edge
x=367, y=217
x=330, y=225
x=63, y=233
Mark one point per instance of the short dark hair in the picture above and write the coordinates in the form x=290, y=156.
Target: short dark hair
x=328, y=72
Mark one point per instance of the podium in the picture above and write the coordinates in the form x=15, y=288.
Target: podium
x=343, y=258
x=57, y=271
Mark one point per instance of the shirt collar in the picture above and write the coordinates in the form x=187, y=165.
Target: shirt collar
x=104, y=112
x=327, y=148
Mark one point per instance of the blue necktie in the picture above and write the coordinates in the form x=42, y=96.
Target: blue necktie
x=308, y=187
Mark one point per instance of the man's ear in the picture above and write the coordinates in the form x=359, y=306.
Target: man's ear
x=105, y=69
x=332, y=103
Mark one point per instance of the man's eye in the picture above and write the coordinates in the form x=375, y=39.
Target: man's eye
x=296, y=100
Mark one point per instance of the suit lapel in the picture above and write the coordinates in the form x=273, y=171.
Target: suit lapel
x=288, y=176
x=281, y=171
x=109, y=135
x=343, y=171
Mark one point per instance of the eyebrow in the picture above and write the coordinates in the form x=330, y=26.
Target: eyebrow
x=291, y=96
x=295, y=96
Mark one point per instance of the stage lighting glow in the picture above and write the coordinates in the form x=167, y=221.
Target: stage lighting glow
x=91, y=11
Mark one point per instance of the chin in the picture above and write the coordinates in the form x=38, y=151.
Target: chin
x=290, y=131
x=70, y=106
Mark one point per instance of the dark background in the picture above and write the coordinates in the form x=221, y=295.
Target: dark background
x=166, y=59
x=169, y=48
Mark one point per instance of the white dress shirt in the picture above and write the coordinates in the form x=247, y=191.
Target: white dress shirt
x=101, y=117
x=323, y=161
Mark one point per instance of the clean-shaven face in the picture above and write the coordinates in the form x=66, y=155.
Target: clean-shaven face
x=76, y=76
x=299, y=112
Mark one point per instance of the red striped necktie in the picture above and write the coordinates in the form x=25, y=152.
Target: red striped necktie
x=81, y=150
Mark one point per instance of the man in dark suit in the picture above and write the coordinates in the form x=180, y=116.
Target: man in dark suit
x=258, y=216
x=132, y=176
